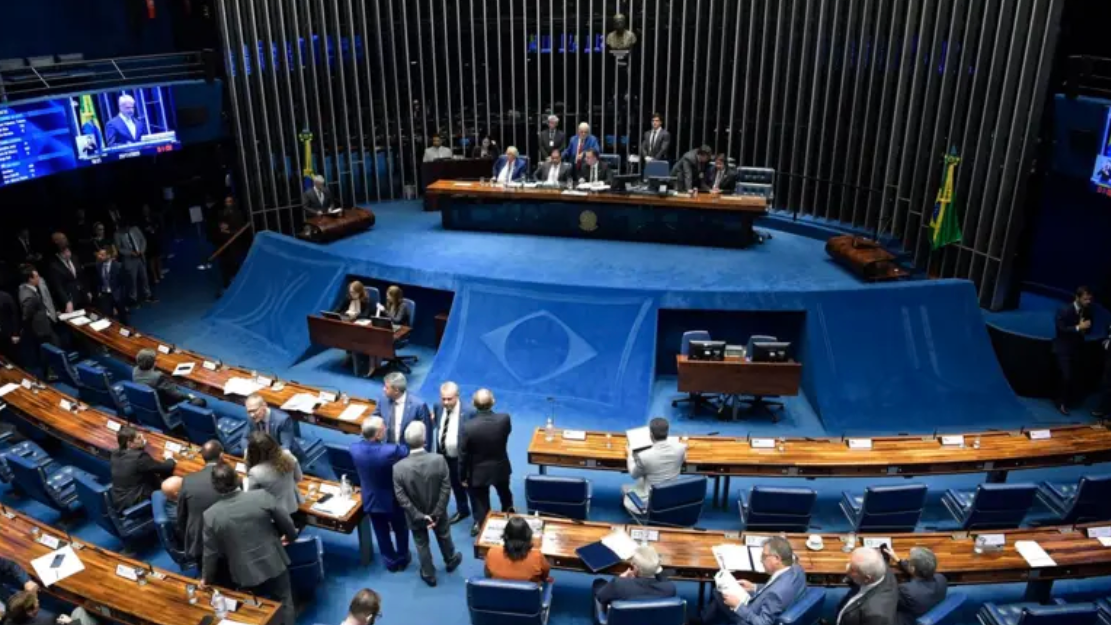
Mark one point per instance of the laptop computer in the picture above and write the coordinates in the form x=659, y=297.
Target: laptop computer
x=330, y=314
x=381, y=322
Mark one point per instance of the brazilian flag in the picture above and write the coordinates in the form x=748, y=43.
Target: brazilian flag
x=945, y=227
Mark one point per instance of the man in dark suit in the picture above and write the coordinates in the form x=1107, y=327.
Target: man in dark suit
x=451, y=415
x=168, y=393
x=484, y=457
x=374, y=460
x=688, y=171
x=196, y=496
x=111, y=286
x=551, y=138
x=318, y=200
x=553, y=171
x=9, y=327
x=1073, y=323
x=423, y=489
x=926, y=587
x=873, y=592
x=23, y=251
x=274, y=422
x=398, y=408
x=126, y=127
x=13, y=575
x=721, y=178
x=595, y=169
x=245, y=530
x=643, y=580
x=135, y=474
x=64, y=272
x=766, y=602
x=653, y=147
x=37, y=307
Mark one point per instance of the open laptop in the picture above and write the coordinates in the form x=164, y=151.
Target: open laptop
x=330, y=314
x=381, y=322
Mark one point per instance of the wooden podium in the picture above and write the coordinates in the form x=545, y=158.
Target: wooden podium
x=864, y=257
x=327, y=228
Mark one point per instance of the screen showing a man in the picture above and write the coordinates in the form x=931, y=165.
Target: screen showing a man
x=126, y=127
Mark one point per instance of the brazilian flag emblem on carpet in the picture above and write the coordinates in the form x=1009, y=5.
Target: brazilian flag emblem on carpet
x=945, y=228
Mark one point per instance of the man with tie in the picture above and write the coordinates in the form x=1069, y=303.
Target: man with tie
x=595, y=170
x=132, y=247
x=398, y=408
x=374, y=460
x=575, y=154
x=551, y=138
x=274, y=422
x=126, y=127
x=1073, y=323
x=451, y=415
x=553, y=172
x=721, y=178
x=484, y=457
x=37, y=307
x=66, y=279
x=111, y=291
x=508, y=167
x=318, y=200
x=873, y=592
x=763, y=604
x=656, y=141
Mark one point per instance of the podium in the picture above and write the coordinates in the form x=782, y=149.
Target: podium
x=328, y=228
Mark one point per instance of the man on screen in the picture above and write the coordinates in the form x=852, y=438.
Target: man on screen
x=126, y=127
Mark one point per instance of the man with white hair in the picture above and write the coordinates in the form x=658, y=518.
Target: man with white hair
x=398, y=408
x=451, y=414
x=422, y=488
x=318, y=200
x=873, y=593
x=125, y=127
x=551, y=137
x=508, y=167
x=643, y=579
x=580, y=143
x=484, y=457
x=274, y=422
x=374, y=460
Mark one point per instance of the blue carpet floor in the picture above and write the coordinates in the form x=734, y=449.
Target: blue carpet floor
x=187, y=295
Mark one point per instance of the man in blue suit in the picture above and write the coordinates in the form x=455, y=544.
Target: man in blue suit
x=508, y=167
x=274, y=422
x=398, y=408
x=374, y=460
x=926, y=587
x=451, y=415
x=1072, y=324
x=765, y=603
x=577, y=148
x=126, y=127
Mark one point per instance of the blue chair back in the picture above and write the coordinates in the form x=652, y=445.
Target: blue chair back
x=806, y=610
x=1092, y=501
x=999, y=506
x=167, y=532
x=945, y=613
x=614, y=162
x=374, y=295
x=147, y=408
x=779, y=509
x=339, y=457
x=96, y=388
x=94, y=499
x=199, y=423
x=891, y=508
x=562, y=496
x=1068, y=614
x=30, y=476
x=677, y=502
x=657, y=169
x=412, y=306
x=671, y=611
x=306, y=565
x=25, y=449
x=57, y=360
x=692, y=335
x=502, y=602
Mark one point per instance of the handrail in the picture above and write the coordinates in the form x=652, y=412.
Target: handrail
x=66, y=77
x=233, y=239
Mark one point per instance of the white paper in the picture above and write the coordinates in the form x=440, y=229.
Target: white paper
x=952, y=441
x=462, y=184
x=875, y=542
x=860, y=443
x=80, y=321
x=353, y=412
x=727, y=584
x=25, y=383
x=1099, y=532
x=127, y=572
x=264, y=381
x=1105, y=541
x=184, y=368
x=620, y=543
x=164, y=349
x=7, y=388
x=172, y=446
x=71, y=565
x=362, y=322
x=732, y=557
x=103, y=324
x=574, y=435
x=302, y=402
x=1035, y=556
x=763, y=443
x=73, y=315
x=112, y=425
x=1039, y=435
x=208, y=364
x=64, y=404
x=327, y=397
x=241, y=386
x=757, y=554
x=639, y=438
x=124, y=332
x=336, y=506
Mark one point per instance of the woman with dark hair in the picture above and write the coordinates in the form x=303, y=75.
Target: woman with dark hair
x=275, y=470
x=487, y=148
x=516, y=559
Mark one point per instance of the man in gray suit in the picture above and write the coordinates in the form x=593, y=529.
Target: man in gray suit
x=196, y=496
x=318, y=200
x=246, y=531
x=423, y=488
x=653, y=147
x=132, y=248
x=554, y=171
x=661, y=462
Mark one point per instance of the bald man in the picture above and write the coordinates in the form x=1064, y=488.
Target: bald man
x=127, y=126
x=484, y=457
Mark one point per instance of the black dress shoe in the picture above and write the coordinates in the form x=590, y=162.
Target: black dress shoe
x=455, y=518
x=454, y=562
x=431, y=581
x=474, y=530
x=1061, y=408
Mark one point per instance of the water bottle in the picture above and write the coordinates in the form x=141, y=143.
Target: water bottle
x=344, y=487
x=549, y=430
x=219, y=605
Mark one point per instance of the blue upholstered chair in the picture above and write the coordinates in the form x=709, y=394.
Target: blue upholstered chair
x=806, y=610
x=339, y=458
x=1103, y=606
x=614, y=162
x=134, y=522
x=657, y=169
x=166, y=531
x=945, y=613
x=885, y=508
x=990, y=506
x=28, y=450
x=95, y=387
x=62, y=364
x=676, y=502
x=147, y=409
x=307, y=450
x=671, y=611
x=696, y=400
x=1088, y=501
x=775, y=509
x=562, y=496
x=46, y=482
x=306, y=565
x=1037, y=614
x=398, y=361
x=503, y=602
x=201, y=426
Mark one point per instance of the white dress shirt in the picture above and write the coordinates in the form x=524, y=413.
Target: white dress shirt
x=398, y=415
x=450, y=423
x=130, y=127
x=553, y=173
x=355, y=308
x=506, y=173
x=863, y=591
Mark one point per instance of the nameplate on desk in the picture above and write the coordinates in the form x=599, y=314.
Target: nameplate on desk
x=1099, y=532
x=645, y=535
x=755, y=541
x=574, y=435
x=952, y=441
x=174, y=447
x=26, y=384
x=50, y=541
x=327, y=397
x=876, y=542
x=992, y=540
x=240, y=467
x=127, y=572
x=208, y=364
x=690, y=468
x=762, y=443
x=124, y=332
x=163, y=349
x=264, y=381
x=113, y=426
x=860, y=443
x=1039, y=435
x=590, y=463
x=65, y=404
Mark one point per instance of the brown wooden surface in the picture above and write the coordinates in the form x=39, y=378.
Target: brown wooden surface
x=831, y=457
x=233, y=239
x=704, y=201
x=736, y=376
x=212, y=382
x=688, y=552
x=87, y=430
x=324, y=228
x=864, y=257
x=108, y=596
x=457, y=168
x=368, y=340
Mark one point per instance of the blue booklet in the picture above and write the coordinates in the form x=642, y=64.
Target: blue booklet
x=597, y=557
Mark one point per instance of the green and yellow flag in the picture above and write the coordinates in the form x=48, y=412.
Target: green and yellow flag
x=945, y=227
x=88, y=114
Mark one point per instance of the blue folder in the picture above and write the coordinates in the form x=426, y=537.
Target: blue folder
x=597, y=557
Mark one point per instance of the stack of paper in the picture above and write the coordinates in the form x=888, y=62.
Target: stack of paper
x=362, y=322
x=353, y=412
x=302, y=402
x=80, y=321
x=492, y=533
x=620, y=543
x=1035, y=556
x=727, y=584
x=732, y=557
x=241, y=386
x=7, y=388
x=73, y=315
x=50, y=572
x=336, y=506
x=103, y=324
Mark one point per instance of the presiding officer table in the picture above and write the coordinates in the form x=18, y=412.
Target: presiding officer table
x=711, y=220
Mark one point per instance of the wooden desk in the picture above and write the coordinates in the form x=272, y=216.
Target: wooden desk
x=723, y=457
x=326, y=228
x=212, y=382
x=87, y=431
x=865, y=258
x=455, y=168
x=737, y=376
x=688, y=553
x=377, y=343
x=711, y=220
x=106, y=595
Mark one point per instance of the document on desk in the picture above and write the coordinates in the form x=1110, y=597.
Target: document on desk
x=727, y=584
x=639, y=438
x=80, y=321
x=67, y=564
x=101, y=325
x=336, y=506
x=353, y=412
x=362, y=322
x=1035, y=556
x=241, y=386
x=732, y=557
x=7, y=388
x=302, y=402
x=73, y=315
x=492, y=532
x=619, y=542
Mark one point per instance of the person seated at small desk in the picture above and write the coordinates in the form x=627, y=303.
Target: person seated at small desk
x=358, y=304
x=643, y=580
x=135, y=474
x=554, y=172
x=396, y=308
x=595, y=169
x=23, y=609
x=662, y=462
x=318, y=200
x=516, y=559
x=436, y=151
x=169, y=394
x=509, y=168
x=721, y=178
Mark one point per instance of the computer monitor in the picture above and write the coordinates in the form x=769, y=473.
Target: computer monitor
x=622, y=183
x=381, y=322
x=328, y=314
x=661, y=184
x=707, y=350
x=769, y=351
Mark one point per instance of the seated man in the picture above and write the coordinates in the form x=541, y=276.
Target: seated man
x=765, y=603
x=23, y=609
x=595, y=170
x=135, y=474
x=509, y=168
x=643, y=580
x=13, y=576
x=661, y=462
x=926, y=587
x=168, y=393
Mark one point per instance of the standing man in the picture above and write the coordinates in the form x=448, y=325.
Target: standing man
x=132, y=247
x=721, y=178
x=197, y=495
x=451, y=415
x=580, y=143
x=274, y=422
x=374, y=460
x=317, y=200
x=126, y=127
x=661, y=462
x=36, y=307
x=689, y=170
x=1072, y=324
x=484, y=457
x=873, y=592
x=111, y=290
x=135, y=474
x=245, y=530
x=24, y=251
x=551, y=138
x=66, y=278
x=398, y=408
x=766, y=602
x=653, y=147
x=423, y=488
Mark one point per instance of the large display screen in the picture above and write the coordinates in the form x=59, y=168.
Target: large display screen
x=1101, y=174
x=48, y=136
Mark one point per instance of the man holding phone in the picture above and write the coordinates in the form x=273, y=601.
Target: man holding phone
x=926, y=587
